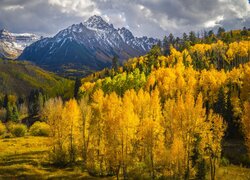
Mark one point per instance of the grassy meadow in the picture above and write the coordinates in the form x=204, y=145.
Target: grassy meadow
x=27, y=158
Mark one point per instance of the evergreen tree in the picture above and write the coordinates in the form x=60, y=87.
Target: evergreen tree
x=35, y=101
x=12, y=113
x=185, y=37
x=171, y=39
x=186, y=42
x=15, y=114
x=221, y=30
x=115, y=63
x=192, y=37
x=5, y=101
x=165, y=46
x=78, y=84
x=210, y=33
x=244, y=32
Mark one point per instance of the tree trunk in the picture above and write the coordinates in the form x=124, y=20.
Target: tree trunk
x=152, y=165
x=212, y=167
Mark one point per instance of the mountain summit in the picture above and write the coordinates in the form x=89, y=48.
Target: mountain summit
x=97, y=22
x=12, y=44
x=90, y=46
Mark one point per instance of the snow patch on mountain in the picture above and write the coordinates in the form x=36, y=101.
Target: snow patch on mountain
x=12, y=44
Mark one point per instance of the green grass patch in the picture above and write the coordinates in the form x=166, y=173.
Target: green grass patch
x=26, y=158
x=233, y=172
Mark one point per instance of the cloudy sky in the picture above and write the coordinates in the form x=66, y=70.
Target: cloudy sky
x=154, y=18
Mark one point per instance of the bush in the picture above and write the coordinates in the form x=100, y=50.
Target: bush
x=224, y=161
x=40, y=129
x=2, y=113
x=18, y=130
x=2, y=129
x=59, y=156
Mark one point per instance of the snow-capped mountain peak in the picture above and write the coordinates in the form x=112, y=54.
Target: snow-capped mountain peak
x=91, y=44
x=125, y=34
x=76, y=27
x=97, y=22
x=6, y=36
x=12, y=44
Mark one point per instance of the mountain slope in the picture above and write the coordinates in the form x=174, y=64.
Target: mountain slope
x=12, y=44
x=21, y=77
x=90, y=46
x=8, y=50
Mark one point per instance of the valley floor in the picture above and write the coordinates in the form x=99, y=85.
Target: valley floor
x=25, y=158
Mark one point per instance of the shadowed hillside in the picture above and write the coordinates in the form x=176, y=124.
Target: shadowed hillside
x=21, y=77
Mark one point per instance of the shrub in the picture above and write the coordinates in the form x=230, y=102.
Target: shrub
x=2, y=129
x=18, y=130
x=2, y=113
x=224, y=161
x=59, y=156
x=40, y=129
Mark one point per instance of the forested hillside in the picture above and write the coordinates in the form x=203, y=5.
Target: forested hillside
x=158, y=115
x=168, y=114
x=178, y=106
x=24, y=87
x=20, y=78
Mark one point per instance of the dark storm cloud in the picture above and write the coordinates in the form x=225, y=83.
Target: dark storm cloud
x=143, y=17
x=158, y=17
x=36, y=16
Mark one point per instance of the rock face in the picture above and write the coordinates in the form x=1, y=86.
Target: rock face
x=89, y=45
x=12, y=44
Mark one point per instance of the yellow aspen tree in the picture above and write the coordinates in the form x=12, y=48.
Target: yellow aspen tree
x=244, y=47
x=184, y=118
x=246, y=83
x=52, y=114
x=176, y=157
x=191, y=78
x=86, y=117
x=129, y=125
x=213, y=136
x=187, y=60
x=112, y=133
x=245, y=123
x=142, y=110
x=95, y=163
x=219, y=49
x=150, y=140
x=157, y=148
x=209, y=83
x=71, y=116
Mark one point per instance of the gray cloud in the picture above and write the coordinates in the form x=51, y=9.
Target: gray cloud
x=143, y=17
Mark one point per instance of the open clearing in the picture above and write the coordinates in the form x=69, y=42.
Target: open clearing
x=26, y=158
